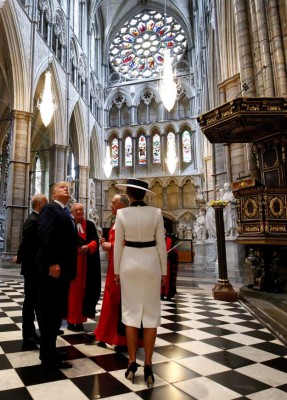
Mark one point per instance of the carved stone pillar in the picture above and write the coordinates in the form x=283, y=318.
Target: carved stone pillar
x=83, y=178
x=58, y=163
x=18, y=179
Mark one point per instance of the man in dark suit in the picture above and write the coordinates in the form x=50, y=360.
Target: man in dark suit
x=57, y=265
x=26, y=256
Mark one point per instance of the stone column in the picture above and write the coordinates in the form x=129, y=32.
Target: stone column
x=58, y=163
x=83, y=177
x=18, y=180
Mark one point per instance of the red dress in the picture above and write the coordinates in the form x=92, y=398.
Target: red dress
x=107, y=328
x=78, y=285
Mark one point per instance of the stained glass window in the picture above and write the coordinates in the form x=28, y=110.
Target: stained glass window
x=38, y=176
x=186, y=146
x=156, y=149
x=128, y=152
x=138, y=49
x=142, y=150
x=115, y=152
x=171, y=141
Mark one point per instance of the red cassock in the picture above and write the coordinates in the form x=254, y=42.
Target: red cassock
x=169, y=290
x=78, y=285
x=107, y=330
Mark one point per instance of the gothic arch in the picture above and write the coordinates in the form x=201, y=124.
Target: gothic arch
x=95, y=155
x=77, y=135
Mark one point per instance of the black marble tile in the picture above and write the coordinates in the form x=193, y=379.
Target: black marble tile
x=216, y=331
x=209, y=314
x=9, y=328
x=70, y=353
x=173, y=372
x=15, y=394
x=176, y=318
x=173, y=337
x=76, y=338
x=277, y=363
x=37, y=374
x=229, y=360
x=273, y=348
x=212, y=321
x=111, y=362
x=249, y=324
x=17, y=320
x=221, y=343
x=174, y=352
x=100, y=385
x=15, y=346
x=5, y=309
x=243, y=316
x=240, y=383
x=260, y=335
x=4, y=362
x=166, y=392
x=173, y=326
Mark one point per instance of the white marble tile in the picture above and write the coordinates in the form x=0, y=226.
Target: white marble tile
x=192, y=316
x=235, y=328
x=202, y=365
x=196, y=334
x=6, y=320
x=231, y=320
x=243, y=339
x=82, y=367
x=125, y=396
x=196, y=324
x=91, y=350
x=198, y=347
x=264, y=374
x=9, y=304
x=224, y=312
x=269, y=394
x=58, y=390
x=16, y=313
x=24, y=359
x=9, y=379
x=204, y=389
x=251, y=353
x=8, y=336
x=1, y=350
x=160, y=342
x=139, y=383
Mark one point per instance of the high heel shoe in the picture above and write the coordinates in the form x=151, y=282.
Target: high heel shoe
x=148, y=375
x=130, y=372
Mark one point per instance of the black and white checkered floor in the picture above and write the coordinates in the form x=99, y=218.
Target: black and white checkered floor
x=205, y=349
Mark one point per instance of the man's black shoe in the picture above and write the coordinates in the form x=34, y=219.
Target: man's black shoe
x=31, y=340
x=121, y=349
x=89, y=335
x=75, y=327
x=57, y=365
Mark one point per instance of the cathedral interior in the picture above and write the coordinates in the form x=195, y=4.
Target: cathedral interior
x=85, y=98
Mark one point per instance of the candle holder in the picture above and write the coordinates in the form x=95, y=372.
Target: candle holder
x=223, y=289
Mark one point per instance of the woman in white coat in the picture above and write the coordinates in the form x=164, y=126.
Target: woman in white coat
x=140, y=265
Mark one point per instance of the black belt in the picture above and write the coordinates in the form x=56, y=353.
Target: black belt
x=140, y=244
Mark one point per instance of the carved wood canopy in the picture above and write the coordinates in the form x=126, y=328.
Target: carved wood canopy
x=245, y=120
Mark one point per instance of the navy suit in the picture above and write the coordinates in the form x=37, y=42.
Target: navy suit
x=26, y=256
x=58, y=245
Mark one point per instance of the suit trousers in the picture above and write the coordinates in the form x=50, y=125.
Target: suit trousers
x=30, y=306
x=53, y=301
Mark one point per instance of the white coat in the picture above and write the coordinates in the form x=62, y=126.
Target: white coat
x=140, y=269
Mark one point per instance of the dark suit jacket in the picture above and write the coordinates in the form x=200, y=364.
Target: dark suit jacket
x=29, y=246
x=58, y=241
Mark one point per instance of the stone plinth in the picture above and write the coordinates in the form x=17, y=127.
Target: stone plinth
x=211, y=257
x=199, y=255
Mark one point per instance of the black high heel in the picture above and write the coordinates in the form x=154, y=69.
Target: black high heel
x=148, y=375
x=130, y=372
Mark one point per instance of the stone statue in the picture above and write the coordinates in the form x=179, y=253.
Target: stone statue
x=210, y=223
x=181, y=230
x=229, y=212
x=199, y=227
x=200, y=194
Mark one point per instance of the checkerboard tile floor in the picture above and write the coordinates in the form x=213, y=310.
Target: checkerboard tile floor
x=205, y=349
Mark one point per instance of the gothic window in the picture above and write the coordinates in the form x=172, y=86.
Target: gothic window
x=142, y=112
x=38, y=176
x=171, y=142
x=156, y=156
x=125, y=114
x=142, y=150
x=183, y=107
x=44, y=13
x=115, y=152
x=59, y=37
x=186, y=147
x=138, y=49
x=73, y=61
x=128, y=152
x=114, y=116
